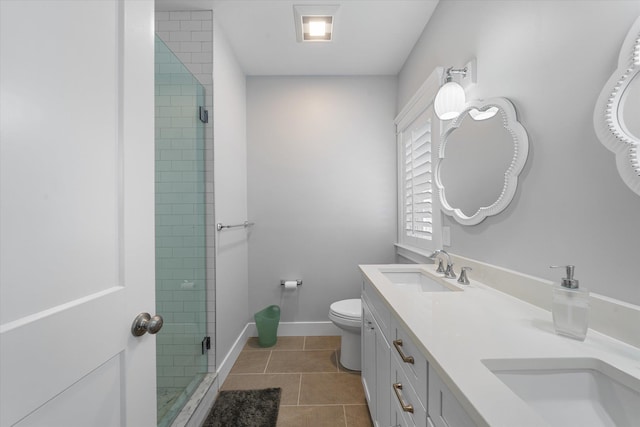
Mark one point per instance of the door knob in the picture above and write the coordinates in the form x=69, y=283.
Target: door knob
x=145, y=323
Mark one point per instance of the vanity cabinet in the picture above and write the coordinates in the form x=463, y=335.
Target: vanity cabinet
x=444, y=408
x=401, y=389
x=376, y=369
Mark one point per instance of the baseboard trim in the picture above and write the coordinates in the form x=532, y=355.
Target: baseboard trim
x=231, y=357
x=300, y=329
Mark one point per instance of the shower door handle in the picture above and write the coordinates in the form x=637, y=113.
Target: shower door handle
x=144, y=323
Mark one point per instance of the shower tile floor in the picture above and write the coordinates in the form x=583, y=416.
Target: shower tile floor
x=316, y=390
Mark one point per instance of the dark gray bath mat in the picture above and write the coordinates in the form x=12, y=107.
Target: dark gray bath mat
x=245, y=408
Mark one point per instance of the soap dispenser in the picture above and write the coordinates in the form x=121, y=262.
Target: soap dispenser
x=570, y=306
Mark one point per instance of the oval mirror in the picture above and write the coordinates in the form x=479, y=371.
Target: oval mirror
x=480, y=158
x=617, y=114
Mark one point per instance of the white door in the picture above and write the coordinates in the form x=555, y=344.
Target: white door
x=76, y=212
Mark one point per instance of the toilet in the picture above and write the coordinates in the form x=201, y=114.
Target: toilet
x=347, y=315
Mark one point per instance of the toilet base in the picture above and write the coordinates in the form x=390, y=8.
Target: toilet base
x=350, y=351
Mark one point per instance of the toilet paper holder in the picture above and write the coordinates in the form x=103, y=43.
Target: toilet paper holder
x=298, y=282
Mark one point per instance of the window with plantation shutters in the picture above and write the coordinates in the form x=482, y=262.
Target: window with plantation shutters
x=418, y=135
x=418, y=194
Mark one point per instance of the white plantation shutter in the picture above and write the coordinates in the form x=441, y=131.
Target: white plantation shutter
x=418, y=135
x=418, y=182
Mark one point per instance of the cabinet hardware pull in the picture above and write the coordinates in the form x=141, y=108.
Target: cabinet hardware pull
x=406, y=359
x=405, y=406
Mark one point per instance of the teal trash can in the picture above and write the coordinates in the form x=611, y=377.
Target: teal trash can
x=267, y=321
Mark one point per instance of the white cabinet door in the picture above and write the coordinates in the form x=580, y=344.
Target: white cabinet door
x=375, y=368
x=444, y=408
x=383, y=380
x=76, y=212
x=368, y=373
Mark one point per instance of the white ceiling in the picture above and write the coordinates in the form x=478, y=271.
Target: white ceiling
x=371, y=37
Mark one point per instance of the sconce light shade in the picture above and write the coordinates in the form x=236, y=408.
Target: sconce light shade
x=450, y=101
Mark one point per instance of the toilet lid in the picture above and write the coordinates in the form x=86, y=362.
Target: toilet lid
x=351, y=308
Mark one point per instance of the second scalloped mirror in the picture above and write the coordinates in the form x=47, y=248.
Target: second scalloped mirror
x=617, y=113
x=480, y=158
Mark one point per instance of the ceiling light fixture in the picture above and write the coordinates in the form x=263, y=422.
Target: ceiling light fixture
x=317, y=28
x=315, y=23
x=450, y=99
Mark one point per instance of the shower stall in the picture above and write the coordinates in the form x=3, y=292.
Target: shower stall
x=180, y=217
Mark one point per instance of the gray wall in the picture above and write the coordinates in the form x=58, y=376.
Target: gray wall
x=230, y=167
x=321, y=179
x=551, y=59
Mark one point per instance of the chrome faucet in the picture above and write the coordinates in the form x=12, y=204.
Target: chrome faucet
x=448, y=272
x=434, y=257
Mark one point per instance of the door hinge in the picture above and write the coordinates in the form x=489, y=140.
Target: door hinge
x=206, y=344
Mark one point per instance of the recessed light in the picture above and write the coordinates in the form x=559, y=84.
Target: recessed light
x=317, y=28
x=314, y=23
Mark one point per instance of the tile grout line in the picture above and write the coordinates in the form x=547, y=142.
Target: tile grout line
x=299, y=390
x=344, y=411
x=267, y=364
x=322, y=405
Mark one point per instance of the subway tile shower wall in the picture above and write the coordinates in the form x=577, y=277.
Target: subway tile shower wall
x=189, y=34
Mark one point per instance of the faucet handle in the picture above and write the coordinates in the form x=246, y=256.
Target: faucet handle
x=463, y=279
x=449, y=273
x=440, y=268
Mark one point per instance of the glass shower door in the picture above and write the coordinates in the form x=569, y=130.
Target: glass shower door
x=180, y=233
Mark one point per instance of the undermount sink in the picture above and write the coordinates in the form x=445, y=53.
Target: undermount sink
x=417, y=281
x=572, y=391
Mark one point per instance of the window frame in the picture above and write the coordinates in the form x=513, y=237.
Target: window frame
x=419, y=109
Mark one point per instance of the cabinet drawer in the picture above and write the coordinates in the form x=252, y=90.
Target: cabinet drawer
x=378, y=308
x=403, y=394
x=414, y=364
x=444, y=408
x=397, y=415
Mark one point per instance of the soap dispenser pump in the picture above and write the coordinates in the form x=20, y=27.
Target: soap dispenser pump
x=570, y=306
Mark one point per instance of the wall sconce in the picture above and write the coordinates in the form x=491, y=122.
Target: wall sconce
x=450, y=99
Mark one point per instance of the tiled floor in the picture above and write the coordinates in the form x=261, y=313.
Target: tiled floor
x=316, y=390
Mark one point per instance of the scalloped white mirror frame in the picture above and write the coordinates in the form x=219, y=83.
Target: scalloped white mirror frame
x=606, y=117
x=520, y=153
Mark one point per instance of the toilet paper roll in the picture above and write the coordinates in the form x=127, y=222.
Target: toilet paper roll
x=290, y=285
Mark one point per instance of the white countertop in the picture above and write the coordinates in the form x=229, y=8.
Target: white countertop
x=457, y=330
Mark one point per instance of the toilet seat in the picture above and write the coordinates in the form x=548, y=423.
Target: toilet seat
x=348, y=309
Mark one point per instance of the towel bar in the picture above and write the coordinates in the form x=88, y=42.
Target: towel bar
x=220, y=226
